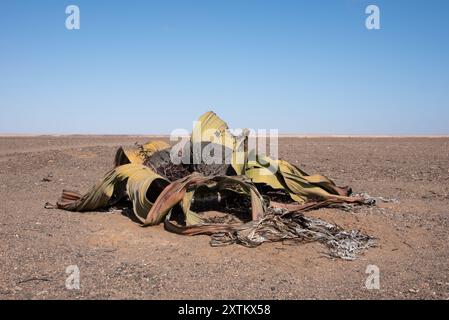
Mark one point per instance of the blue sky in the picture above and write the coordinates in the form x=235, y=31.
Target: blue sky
x=142, y=67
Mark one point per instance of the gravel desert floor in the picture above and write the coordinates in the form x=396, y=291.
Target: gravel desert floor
x=118, y=259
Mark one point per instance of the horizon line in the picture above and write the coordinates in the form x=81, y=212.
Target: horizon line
x=281, y=135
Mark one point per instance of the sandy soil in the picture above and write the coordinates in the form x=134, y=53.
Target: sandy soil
x=119, y=259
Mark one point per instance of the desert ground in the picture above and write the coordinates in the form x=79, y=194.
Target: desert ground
x=118, y=259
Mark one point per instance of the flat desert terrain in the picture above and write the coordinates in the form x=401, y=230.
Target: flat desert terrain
x=118, y=259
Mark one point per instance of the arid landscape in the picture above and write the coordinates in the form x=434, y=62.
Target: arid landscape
x=119, y=259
